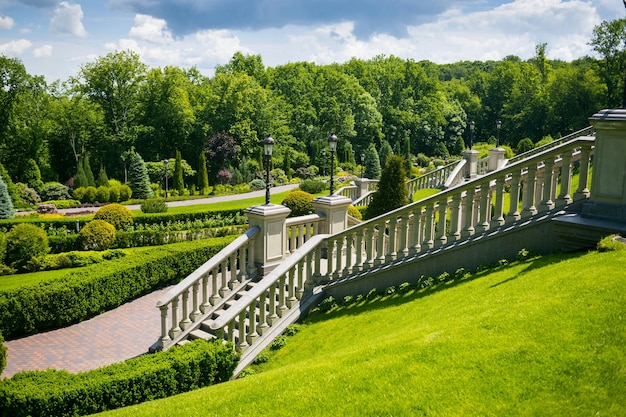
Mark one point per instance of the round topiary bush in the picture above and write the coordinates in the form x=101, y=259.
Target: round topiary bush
x=125, y=193
x=97, y=235
x=102, y=194
x=312, y=186
x=54, y=191
x=299, y=202
x=115, y=214
x=25, y=243
x=354, y=212
x=257, y=184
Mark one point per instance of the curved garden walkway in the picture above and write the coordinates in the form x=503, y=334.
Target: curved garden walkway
x=111, y=337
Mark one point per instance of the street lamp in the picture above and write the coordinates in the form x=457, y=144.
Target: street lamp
x=332, y=147
x=268, y=146
x=165, y=162
x=362, y=164
x=472, y=127
x=498, y=125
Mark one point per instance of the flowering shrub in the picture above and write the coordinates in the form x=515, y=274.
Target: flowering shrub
x=46, y=208
x=224, y=176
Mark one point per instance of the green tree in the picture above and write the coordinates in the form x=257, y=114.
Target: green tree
x=7, y=210
x=609, y=40
x=372, y=163
x=103, y=178
x=91, y=180
x=31, y=175
x=178, y=183
x=80, y=179
x=287, y=163
x=385, y=151
x=392, y=189
x=203, y=177
x=138, y=179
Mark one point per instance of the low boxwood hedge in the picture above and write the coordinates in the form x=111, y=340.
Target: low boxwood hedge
x=148, y=377
x=94, y=289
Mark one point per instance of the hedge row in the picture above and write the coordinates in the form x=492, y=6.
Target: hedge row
x=94, y=289
x=140, y=238
x=148, y=377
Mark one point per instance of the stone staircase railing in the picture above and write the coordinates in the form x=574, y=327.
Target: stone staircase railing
x=206, y=288
x=588, y=131
x=301, y=229
x=260, y=314
x=433, y=179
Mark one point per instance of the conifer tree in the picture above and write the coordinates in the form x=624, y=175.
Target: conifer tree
x=13, y=191
x=287, y=163
x=80, y=179
x=392, y=190
x=31, y=175
x=177, y=182
x=407, y=155
x=103, y=178
x=6, y=205
x=91, y=180
x=203, y=175
x=385, y=151
x=372, y=163
x=138, y=179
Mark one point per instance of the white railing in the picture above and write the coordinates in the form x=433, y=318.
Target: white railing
x=456, y=176
x=350, y=191
x=205, y=288
x=588, y=131
x=301, y=229
x=433, y=179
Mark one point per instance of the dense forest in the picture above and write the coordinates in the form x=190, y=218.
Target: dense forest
x=116, y=104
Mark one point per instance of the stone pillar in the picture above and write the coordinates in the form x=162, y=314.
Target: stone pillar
x=608, y=189
x=270, y=244
x=496, y=155
x=335, y=209
x=362, y=186
x=471, y=167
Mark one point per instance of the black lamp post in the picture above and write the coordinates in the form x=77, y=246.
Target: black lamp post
x=362, y=164
x=332, y=147
x=268, y=146
x=498, y=125
x=472, y=127
x=165, y=161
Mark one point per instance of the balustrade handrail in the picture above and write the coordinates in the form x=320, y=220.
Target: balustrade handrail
x=308, y=218
x=587, y=131
x=434, y=173
x=205, y=268
x=456, y=174
x=264, y=284
x=473, y=183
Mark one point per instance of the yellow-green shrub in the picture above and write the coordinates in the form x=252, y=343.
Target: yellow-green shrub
x=97, y=235
x=115, y=214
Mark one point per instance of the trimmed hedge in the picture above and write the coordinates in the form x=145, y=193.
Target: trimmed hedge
x=94, y=289
x=145, y=378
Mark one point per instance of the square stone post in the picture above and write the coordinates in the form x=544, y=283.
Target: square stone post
x=608, y=185
x=362, y=186
x=335, y=209
x=270, y=245
x=471, y=167
x=496, y=156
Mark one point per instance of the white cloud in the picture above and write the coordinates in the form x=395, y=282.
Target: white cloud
x=67, y=19
x=150, y=29
x=6, y=22
x=43, y=52
x=17, y=47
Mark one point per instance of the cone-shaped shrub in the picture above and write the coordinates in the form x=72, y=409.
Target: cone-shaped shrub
x=7, y=210
x=138, y=179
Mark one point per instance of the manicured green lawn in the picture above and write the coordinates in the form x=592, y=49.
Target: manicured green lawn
x=544, y=337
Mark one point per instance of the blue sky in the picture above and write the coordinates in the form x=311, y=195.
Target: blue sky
x=54, y=38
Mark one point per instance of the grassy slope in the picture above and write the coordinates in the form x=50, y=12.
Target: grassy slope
x=544, y=337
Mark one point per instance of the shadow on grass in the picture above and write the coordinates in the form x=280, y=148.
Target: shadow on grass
x=382, y=299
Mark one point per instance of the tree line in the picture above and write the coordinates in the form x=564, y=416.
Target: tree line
x=117, y=104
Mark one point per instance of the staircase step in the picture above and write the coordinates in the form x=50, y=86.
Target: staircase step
x=200, y=334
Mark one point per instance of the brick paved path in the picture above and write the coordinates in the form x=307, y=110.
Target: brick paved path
x=111, y=337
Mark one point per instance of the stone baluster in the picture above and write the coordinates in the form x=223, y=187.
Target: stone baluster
x=483, y=221
x=564, y=197
x=349, y=250
x=442, y=238
x=291, y=248
x=583, y=176
x=291, y=300
x=455, y=217
x=273, y=315
x=429, y=227
x=186, y=321
x=329, y=258
x=468, y=213
x=165, y=338
x=233, y=271
x=282, y=305
x=338, y=258
x=253, y=335
x=251, y=266
x=206, y=301
x=498, y=215
x=243, y=271
x=528, y=204
x=358, y=263
x=416, y=231
x=514, y=214
x=546, y=197
x=242, y=343
x=175, y=330
x=369, y=248
x=195, y=312
x=224, y=275
x=380, y=244
x=392, y=251
x=403, y=244
x=263, y=326
x=215, y=297
x=302, y=277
